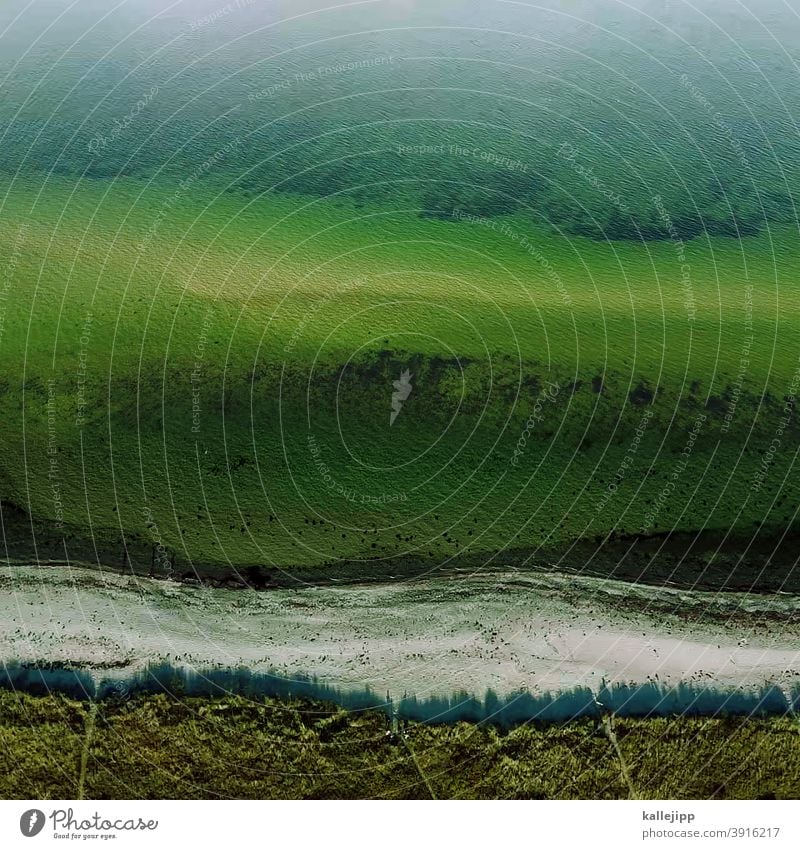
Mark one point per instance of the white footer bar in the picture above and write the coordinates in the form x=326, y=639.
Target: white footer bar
x=405, y=825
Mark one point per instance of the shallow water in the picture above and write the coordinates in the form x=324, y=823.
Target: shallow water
x=440, y=105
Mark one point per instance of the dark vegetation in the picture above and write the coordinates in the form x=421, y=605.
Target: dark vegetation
x=166, y=747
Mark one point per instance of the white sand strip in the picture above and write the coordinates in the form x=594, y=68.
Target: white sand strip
x=505, y=631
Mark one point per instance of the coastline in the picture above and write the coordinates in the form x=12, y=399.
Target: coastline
x=505, y=631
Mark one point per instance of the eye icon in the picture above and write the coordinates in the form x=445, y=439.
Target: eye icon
x=31, y=822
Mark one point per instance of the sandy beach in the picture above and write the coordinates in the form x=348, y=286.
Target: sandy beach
x=506, y=631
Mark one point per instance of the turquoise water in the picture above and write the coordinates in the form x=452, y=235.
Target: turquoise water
x=429, y=105
x=507, y=709
x=651, y=121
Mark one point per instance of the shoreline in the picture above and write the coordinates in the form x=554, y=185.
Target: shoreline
x=710, y=561
x=506, y=632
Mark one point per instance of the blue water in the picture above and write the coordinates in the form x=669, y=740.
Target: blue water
x=695, y=103
x=651, y=699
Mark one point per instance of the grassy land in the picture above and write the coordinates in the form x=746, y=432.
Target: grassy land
x=159, y=747
x=194, y=381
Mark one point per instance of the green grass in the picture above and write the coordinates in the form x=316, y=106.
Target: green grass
x=288, y=356
x=160, y=747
